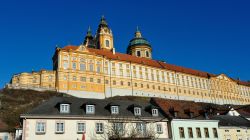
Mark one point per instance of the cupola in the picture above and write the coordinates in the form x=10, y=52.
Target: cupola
x=139, y=46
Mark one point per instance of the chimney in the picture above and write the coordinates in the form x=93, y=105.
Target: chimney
x=113, y=50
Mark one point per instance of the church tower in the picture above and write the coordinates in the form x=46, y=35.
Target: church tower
x=89, y=40
x=139, y=46
x=104, y=36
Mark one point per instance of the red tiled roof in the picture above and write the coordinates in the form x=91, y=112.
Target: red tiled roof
x=183, y=107
x=150, y=62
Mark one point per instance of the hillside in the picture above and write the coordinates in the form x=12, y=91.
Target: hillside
x=14, y=102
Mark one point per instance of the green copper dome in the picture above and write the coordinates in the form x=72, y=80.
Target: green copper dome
x=139, y=41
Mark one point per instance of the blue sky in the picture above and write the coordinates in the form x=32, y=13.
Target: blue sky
x=207, y=35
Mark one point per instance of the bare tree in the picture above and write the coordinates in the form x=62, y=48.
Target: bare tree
x=121, y=128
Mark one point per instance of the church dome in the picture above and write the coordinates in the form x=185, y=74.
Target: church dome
x=139, y=46
x=138, y=41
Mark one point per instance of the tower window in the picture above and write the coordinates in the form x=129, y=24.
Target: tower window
x=138, y=53
x=147, y=54
x=107, y=43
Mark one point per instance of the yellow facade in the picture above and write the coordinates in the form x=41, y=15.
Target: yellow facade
x=234, y=133
x=43, y=79
x=83, y=69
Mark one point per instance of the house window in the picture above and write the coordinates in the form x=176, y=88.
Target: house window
x=215, y=132
x=138, y=53
x=99, y=128
x=181, y=132
x=91, y=67
x=83, y=79
x=64, y=108
x=159, y=128
x=155, y=112
x=81, y=127
x=137, y=111
x=206, y=132
x=90, y=109
x=190, y=132
x=74, y=78
x=82, y=67
x=118, y=127
x=98, y=69
x=74, y=66
x=91, y=79
x=141, y=127
x=59, y=127
x=114, y=110
x=40, y=127
x=107, y=43
x=198, y=132
x=65, y=65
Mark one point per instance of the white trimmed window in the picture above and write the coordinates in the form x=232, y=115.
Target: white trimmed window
x=114, y=110
x=141, y=127
x=73, y=65
x=81, y=127
x=40, y=127
x=155, y=112
x=99, y=128
x=65, y=65
x=137, y=111
x=159, y=128
x=82, y=67
x=64, y=108
x=90, y=109
x=59, y=127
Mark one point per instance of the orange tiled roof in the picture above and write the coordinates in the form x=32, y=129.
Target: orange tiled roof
x=150, y=62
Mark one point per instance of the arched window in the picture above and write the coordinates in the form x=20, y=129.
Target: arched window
x=138, y=53
x=147, y=54
x=107, y=43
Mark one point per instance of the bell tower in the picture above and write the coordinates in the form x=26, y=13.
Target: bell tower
x=104, y=36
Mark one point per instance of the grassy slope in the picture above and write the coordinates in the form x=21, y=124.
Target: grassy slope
x=16, y=102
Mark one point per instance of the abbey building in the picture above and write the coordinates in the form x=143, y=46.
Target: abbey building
x=95, y=70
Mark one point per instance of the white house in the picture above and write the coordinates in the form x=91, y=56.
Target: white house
x=70, y=118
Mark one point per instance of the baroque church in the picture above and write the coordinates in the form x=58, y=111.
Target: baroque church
x=94, y=69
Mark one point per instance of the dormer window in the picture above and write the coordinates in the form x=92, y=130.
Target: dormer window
x=90, y=109
x=175, y=114
x=191, y=114
x=64, y=108
x=155, y=112
x=137, y=111
x=114, y=110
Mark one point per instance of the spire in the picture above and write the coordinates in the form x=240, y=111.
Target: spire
x=138, y=33
x=103, y=22
x=89, y=34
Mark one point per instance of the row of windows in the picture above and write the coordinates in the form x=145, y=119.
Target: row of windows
x=90, y=109
x=198, y=132
x=166, y=76
x=99, y=127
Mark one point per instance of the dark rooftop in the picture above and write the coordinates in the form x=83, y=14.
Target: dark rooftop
x=226, y=120
x=102, y=107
